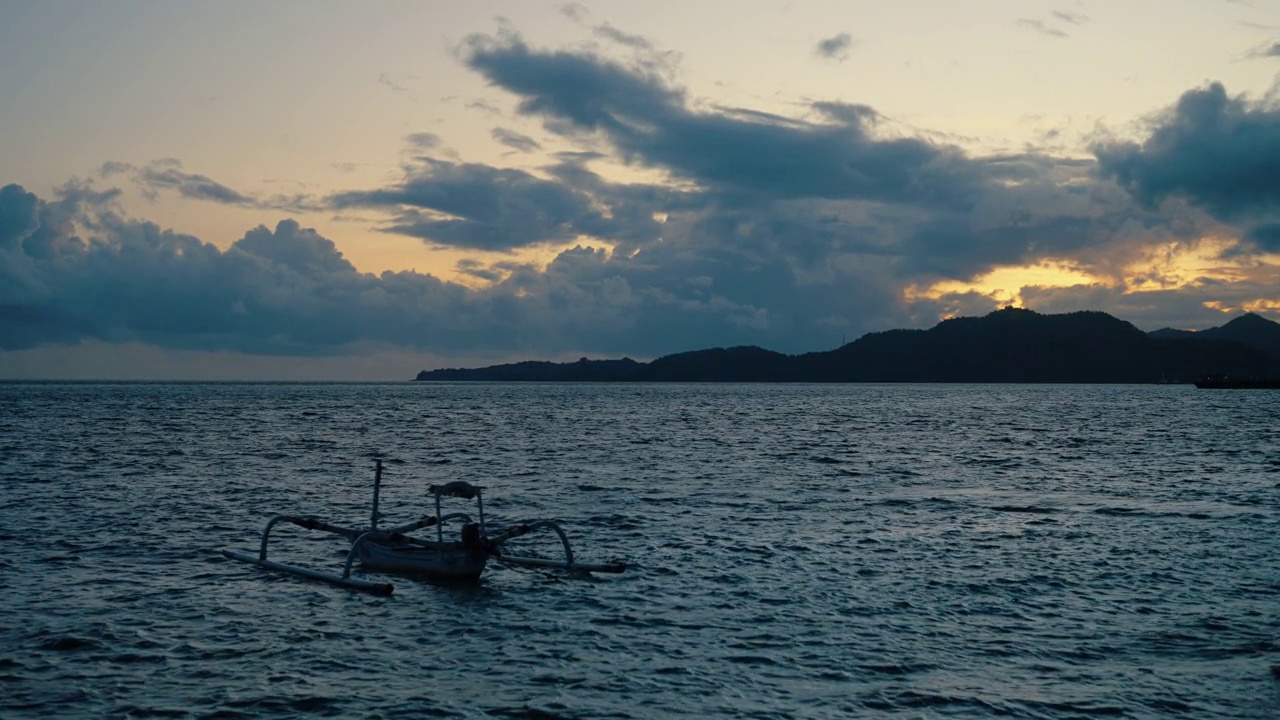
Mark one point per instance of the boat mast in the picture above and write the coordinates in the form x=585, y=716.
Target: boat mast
x=439, y=522
x=377, y=486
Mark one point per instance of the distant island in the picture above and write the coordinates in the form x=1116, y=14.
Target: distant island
x=1006, y=346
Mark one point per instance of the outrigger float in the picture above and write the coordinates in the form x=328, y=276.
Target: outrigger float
x=393, y=550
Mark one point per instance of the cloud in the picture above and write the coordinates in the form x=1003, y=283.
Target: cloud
x=288, y=291
x=1052, y=27
x=422, y=140
x=1041, y=27
x=1266, y=50
x=295, y=247
x=168, y=175
x=18, y=216
x=754, y=228
x=1265, y=236
x=514, y=140
x=848, y=113
x=829, y=203
x=1197, y=306
x=636, y=42
x=477, y=269
x=484, y=106
x=586, y=91
x=752, y=156
x=477, y=206
x=397, y=82
x=575, y=11
x=1070, y=17
x=835, y=47
x=1218, y=152
x=282, y=291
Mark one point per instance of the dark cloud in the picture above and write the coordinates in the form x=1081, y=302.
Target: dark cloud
x=649, y=122
x=587, y=92
x=477, y=206
x=1265, y=236
x=835, y=47
x=168, y=175
x=18, y=216
x=286, y=291
x=295, y=247
x=958, y=247
x=289, y=291
x=477, y=269
x=1218, y=152
x=514, y=140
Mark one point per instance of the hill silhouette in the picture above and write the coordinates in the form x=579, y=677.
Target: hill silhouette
x=1010, y=345
x=1251, y=329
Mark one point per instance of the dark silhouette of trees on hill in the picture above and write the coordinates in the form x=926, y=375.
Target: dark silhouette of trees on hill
x=1010, y=345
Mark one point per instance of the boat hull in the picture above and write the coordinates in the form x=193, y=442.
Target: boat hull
x=448, y=562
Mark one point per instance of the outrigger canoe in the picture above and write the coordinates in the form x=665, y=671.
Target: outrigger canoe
x=394, y=550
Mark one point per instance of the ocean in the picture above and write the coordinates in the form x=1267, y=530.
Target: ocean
x=796, y=551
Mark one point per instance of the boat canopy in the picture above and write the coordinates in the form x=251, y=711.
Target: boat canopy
x=457, y=488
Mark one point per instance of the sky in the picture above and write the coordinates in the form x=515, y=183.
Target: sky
x=317, y=190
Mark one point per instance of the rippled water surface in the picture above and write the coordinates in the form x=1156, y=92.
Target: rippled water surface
x=797, y=550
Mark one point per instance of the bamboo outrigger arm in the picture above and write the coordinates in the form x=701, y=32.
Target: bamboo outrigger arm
x=568, y=562
x=351, y=554
x=424, y=521
x=311, y=523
